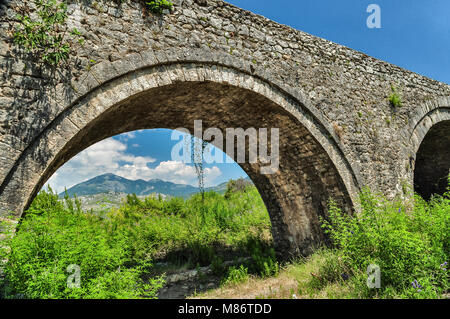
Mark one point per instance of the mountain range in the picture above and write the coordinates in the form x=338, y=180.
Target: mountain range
x=107, y=183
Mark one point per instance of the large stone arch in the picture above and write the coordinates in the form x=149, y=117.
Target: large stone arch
x=429, y=139
x=171, y=89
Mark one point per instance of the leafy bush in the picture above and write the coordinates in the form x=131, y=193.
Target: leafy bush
x=158, y=6
x=53, y=236
x=174, y=206
x=395, y=98
x=124, y=284
x=217, y=266
x=236, y=275
x=409, y=241
x=263, y=261
x=114, y=247
x=237, y=186
x=45, y=36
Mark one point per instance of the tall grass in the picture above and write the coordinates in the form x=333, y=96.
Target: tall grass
x=115, y=248
x=408, y=239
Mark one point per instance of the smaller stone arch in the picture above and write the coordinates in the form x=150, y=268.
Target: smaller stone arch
x=428, y=114
x=429, y=141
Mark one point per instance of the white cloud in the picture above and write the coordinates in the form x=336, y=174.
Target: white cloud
x=172, y=171
x=110, y=156
x=128, y=136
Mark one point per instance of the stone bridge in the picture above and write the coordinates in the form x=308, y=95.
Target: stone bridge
x=212, y=61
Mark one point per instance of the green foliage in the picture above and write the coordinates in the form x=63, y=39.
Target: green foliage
x=114, y=248
x=236, y=275
x=54, y=235
x=158, y=6
x=409, y=241
x=45, y=36
x=217, y=266
x=124, y=284
x=395, y=98
x=191, y=229
x=332, y=270
x=239, y=185
x=264, y=262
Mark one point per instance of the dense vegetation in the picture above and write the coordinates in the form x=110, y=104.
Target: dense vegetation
x=114, y=248
x=408, y=239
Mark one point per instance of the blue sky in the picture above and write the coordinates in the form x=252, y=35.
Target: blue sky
x=144, y=154
x=414, y=34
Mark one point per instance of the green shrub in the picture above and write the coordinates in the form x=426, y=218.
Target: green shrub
x=45, y=36
x=53, y=236
x=236, y=275
x=263, y=259
x=114, y=247
x=123, y=284
x=408, y=241
x=158, y=6
x=395, y=98
x=237, y=186
x=217, y=266
x=332, y=269
x=174, y=206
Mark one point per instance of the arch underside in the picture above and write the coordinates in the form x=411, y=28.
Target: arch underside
x=432, y=165
x=295, y=196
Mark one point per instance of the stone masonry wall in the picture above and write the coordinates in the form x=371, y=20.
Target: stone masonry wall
x=349, y=88
x=344, y=90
